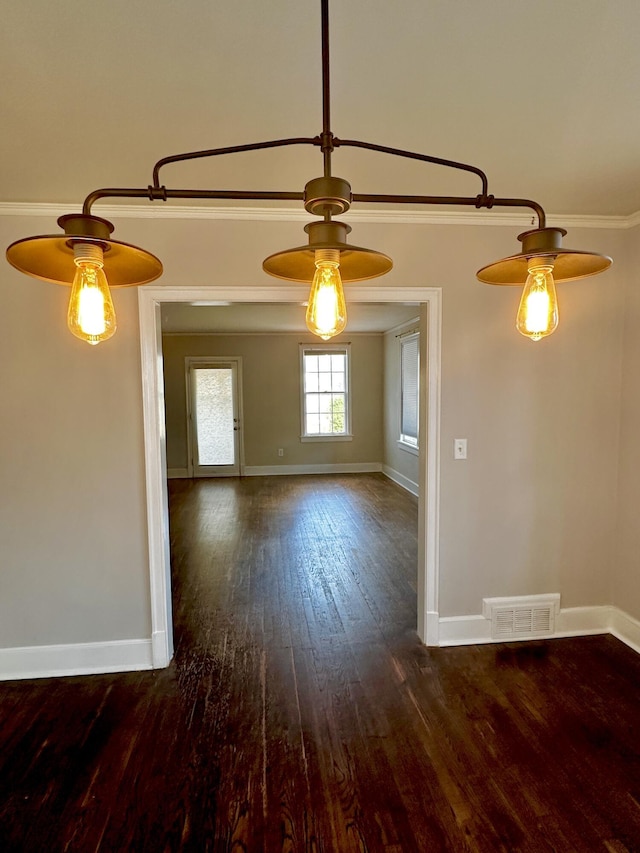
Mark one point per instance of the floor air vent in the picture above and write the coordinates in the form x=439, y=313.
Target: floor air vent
x=522, y=617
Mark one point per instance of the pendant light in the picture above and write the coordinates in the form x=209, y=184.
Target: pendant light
x=87, y=257
x=538, y=266
x=327, y=260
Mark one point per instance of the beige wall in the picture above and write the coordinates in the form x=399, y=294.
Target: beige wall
x=271, y=398
x=73, y=548
x=533, y=509
x=399, y=460
x=626, y=593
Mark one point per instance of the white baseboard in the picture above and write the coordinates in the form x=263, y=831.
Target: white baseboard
x=625, y=628
x=429, y=631
x=328, y=468
x=583, y=621
x=400, y=479
x=134, y=655
x=464, y=630
x=75, y=659
x=178, y=474
x=570, y=622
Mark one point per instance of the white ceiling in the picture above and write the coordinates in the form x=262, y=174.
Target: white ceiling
x=541, y=94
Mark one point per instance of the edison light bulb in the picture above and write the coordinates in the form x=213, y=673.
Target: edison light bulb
x=91, y=316
x=327, y=312
x=538, y=311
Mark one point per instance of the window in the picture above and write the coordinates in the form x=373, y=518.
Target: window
x=409, y=390
x=325, y=393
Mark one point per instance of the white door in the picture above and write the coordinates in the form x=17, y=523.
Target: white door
x=214, y=417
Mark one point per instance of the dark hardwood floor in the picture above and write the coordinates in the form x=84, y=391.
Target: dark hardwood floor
x=302, y=714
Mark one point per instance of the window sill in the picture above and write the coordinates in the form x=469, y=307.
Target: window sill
x=306, y=438
x=410, y=448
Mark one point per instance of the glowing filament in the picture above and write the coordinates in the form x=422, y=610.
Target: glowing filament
x=91, y=316
x=538, y=310
x=326, y=313
x=91, y=308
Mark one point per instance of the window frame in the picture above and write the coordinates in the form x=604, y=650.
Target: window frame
x=405, y=441
x=323, y=349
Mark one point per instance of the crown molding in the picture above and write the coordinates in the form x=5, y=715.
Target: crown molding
x=274, y=214
x=634, y=219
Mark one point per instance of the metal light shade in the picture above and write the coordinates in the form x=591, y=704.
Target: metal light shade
x=50, y=257
x=356, y=263
x=568, y=264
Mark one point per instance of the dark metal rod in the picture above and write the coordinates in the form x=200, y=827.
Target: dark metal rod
x=412, y=155
x=521, y=202
x=237, y=194
x=475, y=201
x=378, y=198
x=327, y=136
x=326, y=100
x=233, y=149
x=162, y=194
x=113, y=192
x=247, y=195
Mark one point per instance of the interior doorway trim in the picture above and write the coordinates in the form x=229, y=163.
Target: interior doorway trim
x=150, y=300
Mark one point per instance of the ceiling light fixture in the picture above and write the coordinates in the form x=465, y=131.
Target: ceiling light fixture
x=87, y=255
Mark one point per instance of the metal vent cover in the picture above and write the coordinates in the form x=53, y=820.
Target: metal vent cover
x=522, y=616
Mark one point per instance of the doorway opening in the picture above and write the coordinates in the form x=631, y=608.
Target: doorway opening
x=150, y=301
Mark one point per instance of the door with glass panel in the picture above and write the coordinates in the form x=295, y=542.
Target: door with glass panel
x=213, y=405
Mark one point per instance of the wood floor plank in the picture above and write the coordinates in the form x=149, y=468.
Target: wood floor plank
x=302, y=715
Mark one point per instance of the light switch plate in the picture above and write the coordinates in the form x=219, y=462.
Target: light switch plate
x=459, y=448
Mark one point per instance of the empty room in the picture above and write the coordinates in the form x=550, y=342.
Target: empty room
x=319, y=413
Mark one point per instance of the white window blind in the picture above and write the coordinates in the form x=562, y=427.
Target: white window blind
x=410, y=388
